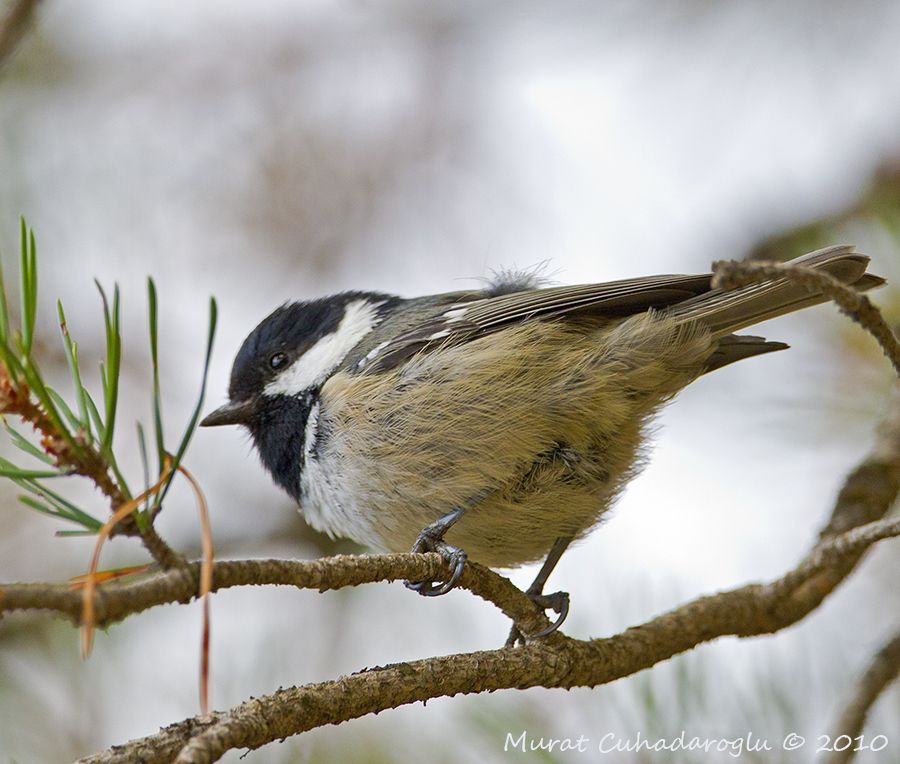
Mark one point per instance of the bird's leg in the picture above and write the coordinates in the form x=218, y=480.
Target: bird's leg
x=431, y=539
x=558, y=601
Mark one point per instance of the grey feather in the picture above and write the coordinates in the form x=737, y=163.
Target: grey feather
x=727, y=312
x=689, y=298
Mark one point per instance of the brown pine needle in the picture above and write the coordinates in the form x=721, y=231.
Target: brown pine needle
x=90, y=578
x=206, y=576
x=88, y=581
x=102, y=576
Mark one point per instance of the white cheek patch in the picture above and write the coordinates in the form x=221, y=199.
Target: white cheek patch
x=313, y=367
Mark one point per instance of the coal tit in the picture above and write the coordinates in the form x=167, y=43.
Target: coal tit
x=497, y=423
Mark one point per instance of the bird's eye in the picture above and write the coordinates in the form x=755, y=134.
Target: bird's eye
x=277, y=360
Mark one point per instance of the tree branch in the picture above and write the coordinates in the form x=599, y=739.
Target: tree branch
x=884, y=669
x=119, y=599
x=731, y=274
x=122, y=598
x=555, y=662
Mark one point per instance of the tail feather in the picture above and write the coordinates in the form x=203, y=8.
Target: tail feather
x=737, y=347
x=726, y=312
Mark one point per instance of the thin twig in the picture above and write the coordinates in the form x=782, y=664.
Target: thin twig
x=121, y=598
x=80, y=457
x=731, y=274
x=559, y=662
x=884, y=669
x=556, y=662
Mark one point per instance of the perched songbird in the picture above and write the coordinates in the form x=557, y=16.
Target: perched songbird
x=499, y=424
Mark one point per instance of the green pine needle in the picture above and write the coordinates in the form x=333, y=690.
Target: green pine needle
x=87, y=428
x=154, y=360
x=72, y=358
x=198, y=408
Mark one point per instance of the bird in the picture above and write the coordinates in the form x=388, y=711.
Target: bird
x=495, y=424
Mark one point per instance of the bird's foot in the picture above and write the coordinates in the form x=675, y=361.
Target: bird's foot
x=558, y=602
x=431, y=539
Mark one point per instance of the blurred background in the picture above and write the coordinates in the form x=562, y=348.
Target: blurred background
x=273, y=151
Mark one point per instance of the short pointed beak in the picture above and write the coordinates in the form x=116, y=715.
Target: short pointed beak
x=231, y=413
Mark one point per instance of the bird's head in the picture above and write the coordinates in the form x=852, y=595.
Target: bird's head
x=282, y=365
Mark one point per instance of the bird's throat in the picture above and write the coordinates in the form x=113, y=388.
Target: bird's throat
x=279, y=432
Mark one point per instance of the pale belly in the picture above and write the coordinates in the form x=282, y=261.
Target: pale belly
x=530, y=453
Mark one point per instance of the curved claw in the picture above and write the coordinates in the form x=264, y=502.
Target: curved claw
x=457, y=559
x=432, y=588
x=454, y=556
x=558, y=602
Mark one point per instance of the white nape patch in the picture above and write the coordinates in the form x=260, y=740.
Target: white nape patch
x=313, y=367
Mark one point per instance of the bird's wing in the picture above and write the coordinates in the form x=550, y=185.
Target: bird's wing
x=685, y=298
x=464, y=321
